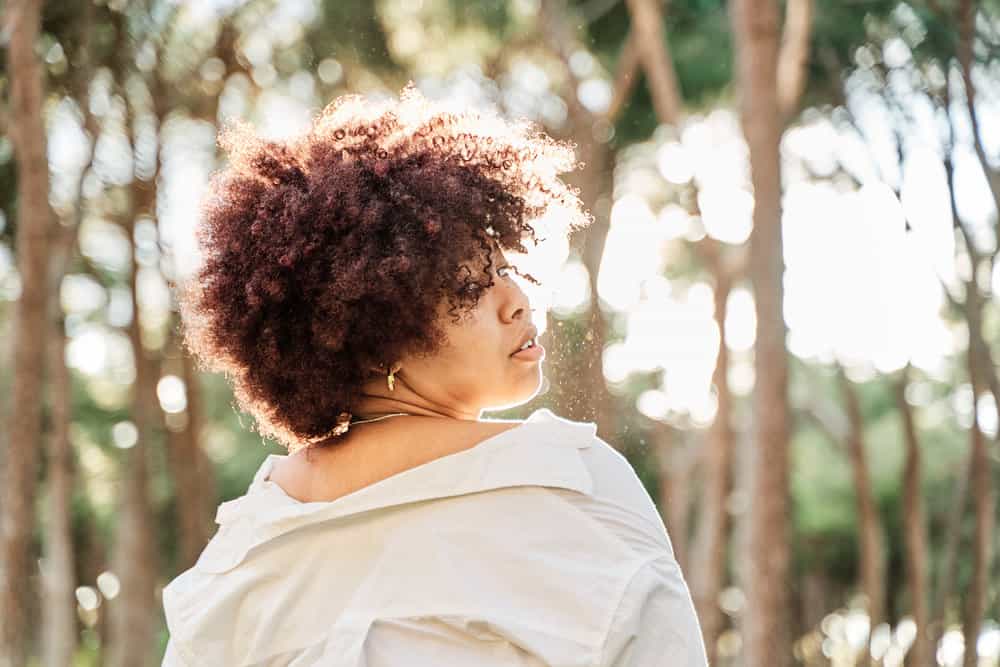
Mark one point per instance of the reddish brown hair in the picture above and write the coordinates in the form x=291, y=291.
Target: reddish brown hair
x=330, y=254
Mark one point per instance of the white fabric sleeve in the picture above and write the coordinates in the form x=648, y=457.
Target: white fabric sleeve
x=172, y=657
x=655, y=622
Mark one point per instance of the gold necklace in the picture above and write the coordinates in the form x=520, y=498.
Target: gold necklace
x=342, y=426
x=374, y=419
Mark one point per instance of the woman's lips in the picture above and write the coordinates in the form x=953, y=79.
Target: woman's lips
x=533, y=353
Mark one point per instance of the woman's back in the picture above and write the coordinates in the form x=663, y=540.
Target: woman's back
x=536, y=546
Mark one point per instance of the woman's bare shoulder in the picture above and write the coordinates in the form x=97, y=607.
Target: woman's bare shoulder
x=366, y=457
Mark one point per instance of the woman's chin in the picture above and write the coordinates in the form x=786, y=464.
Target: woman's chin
x=523, y=393
x=534, y=386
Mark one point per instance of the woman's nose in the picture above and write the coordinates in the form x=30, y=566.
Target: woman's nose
x=515, y=304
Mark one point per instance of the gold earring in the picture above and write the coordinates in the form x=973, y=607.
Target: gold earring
x=390, y=380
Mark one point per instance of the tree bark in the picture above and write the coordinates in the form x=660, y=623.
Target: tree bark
x=194, y=486
x=587, y=395
x=982, y=376
x=871, y=534
x=657, y=63
x=596, y=187
x=982, y=491
x=949, y=561
x=59, y=628
x=676, y=454
x=708, y=571
x=133, y=614
x=578, y=382
x=755, y=35
x=59, y=580
x=794, y=55
x=966, y=20
x=59, y=625
x=921, y=654
x=22, y=22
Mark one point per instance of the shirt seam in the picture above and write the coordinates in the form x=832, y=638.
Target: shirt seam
x=608, y=624
x=642, y=517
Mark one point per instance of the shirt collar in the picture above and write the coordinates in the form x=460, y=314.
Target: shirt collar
x=541, y=451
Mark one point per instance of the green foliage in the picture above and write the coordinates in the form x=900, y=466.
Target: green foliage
x=637, y=119
x=821, y=486
x=352, y=28
x=641, y=453
x=701, y=46
x=698, y=40
x=236, y=449
x=494, y=15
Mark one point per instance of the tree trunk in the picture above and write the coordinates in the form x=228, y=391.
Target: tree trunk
x=584, y=393
x=194, y=486
x=22, y=20
x=657, y=63
x=59, y=582
x=982, y=491
x=793, y=58
x=134, y=613
x=709, y=551
x=949, y=561
x=577, y=382
x=59, y=627
x=742, y=473
x=921, y=654
x=676, y=455
x=755, y=36
x=871, y=535
x=966, y=19
x=816, y=598
x=597, y=193
x=982, y=376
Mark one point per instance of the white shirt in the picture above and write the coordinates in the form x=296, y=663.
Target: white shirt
x=538, y=546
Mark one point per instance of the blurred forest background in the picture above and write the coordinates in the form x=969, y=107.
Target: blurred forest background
x=784, y=314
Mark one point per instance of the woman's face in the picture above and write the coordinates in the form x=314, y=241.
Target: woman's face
x=478, y=369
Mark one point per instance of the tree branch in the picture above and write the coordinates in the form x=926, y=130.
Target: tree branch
x=657, y=63
x=625, y=77
x=966, y=12
x=793, y=57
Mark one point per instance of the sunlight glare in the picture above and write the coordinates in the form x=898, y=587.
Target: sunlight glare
x=653, y=403
x=854, y=286
x=87, y=351
x=726, y=212
x=674, y=163
x=951, y=648
x=675, y=222
x=632, y=251
x=109, y=584
x=988, y=644
x=87, y=597
x=572, y=290
x=171, y=392
x=124, y=434
x=741, y=320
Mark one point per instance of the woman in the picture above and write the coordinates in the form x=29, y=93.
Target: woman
x=355, y=290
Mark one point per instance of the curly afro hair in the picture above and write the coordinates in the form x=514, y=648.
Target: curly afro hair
x=331, y=254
